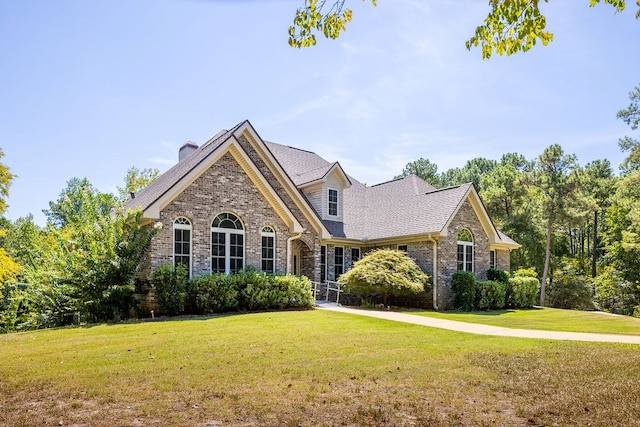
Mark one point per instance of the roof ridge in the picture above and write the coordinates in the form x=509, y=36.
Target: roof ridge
x=453, y=187
x=293, y=148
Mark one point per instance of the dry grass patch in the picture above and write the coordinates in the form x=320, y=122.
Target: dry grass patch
x=308, y=368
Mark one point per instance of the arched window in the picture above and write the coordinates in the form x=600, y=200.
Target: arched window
x=182, y=243
x=227, y=244
x=268, y=236
x=465, y=250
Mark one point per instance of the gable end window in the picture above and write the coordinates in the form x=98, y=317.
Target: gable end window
x=182, y=244
x=465, y=251
x=268, y=237
x=333, y=202
x=227, y=244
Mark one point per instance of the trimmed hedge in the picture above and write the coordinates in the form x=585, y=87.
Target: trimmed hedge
x=248, y=291
x=496, y=275
x=170, y=286
x=523, y=292
x=463, y=287
x=490, y=295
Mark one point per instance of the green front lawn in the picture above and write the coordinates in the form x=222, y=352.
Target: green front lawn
x=546, y=319
x=309, y=368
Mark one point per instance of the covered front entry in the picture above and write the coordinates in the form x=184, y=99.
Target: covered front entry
x=301, y=262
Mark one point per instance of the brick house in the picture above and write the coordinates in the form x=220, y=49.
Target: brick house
x=238, y=201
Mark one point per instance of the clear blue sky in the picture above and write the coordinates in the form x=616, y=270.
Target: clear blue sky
x=91, y=88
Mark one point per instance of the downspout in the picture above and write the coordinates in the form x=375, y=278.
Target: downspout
x=289, y=240
x=435, y=272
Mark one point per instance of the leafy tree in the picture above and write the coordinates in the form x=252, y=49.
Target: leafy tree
x=472, y=171
x=511, y=26
x=5, y=182
x=556, y=177
x=385, y=271
x=136, y=180
x=424, y=169
x=503, y=187
x=79, y=203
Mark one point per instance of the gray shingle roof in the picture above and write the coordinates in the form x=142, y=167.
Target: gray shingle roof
x=402, y=207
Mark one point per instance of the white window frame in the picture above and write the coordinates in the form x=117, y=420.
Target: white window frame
x=335, y=264
x=183, y=223
x=323, y=263
x=467, y=251
x=227, y=252
x=269, y=233
x=337, y=202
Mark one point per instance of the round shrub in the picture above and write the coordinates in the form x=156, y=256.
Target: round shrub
x=211, y=293
x=498, y=275
x=490, y=295
x=385, y=271
x=523, y=292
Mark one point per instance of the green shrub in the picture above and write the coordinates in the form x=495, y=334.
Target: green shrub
x=463, y=287
x=523, y=292
x=385, y=271
x=498, y=275
x=170, y=286
x=526, y=272
x=490, y=295
x=570, y=290
x=249, y=290
x=212, y=293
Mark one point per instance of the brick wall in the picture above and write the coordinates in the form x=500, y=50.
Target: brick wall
x=223, y=188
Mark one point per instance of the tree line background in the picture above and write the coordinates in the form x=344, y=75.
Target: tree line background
x=579, y=227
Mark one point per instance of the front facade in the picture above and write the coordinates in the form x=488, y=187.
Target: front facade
x=239, y=202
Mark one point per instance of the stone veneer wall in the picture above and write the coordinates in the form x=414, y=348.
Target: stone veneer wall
x=223, y=188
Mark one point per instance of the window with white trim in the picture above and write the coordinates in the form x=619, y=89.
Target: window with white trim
x=492, y=259
x=323, y=264
x=182, y=243
x=338, y=262
x=465, y=250
x=333, y=202
x=227, y=244
x=268, y=237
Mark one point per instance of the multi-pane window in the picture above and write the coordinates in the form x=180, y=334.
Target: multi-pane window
x=355, y=255
x=465, y=251
x=492, y=259
x=268, y=236
x=182, y=243
x=323, y=264
x=227, y=244
x=338, y=262
x=333, y=202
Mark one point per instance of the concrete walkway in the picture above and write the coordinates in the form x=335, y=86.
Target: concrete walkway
x=478, y=329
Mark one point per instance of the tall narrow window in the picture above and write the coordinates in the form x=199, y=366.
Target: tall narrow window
x=182, y=243
x=465, y=251
x=323, y=264
x=268, y=249
x=227, y=244
x=338, y=262
x=492, y=259
x=355, y=255
x=333, y=202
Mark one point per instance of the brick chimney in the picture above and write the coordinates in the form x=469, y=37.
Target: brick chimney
x=186, y=150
